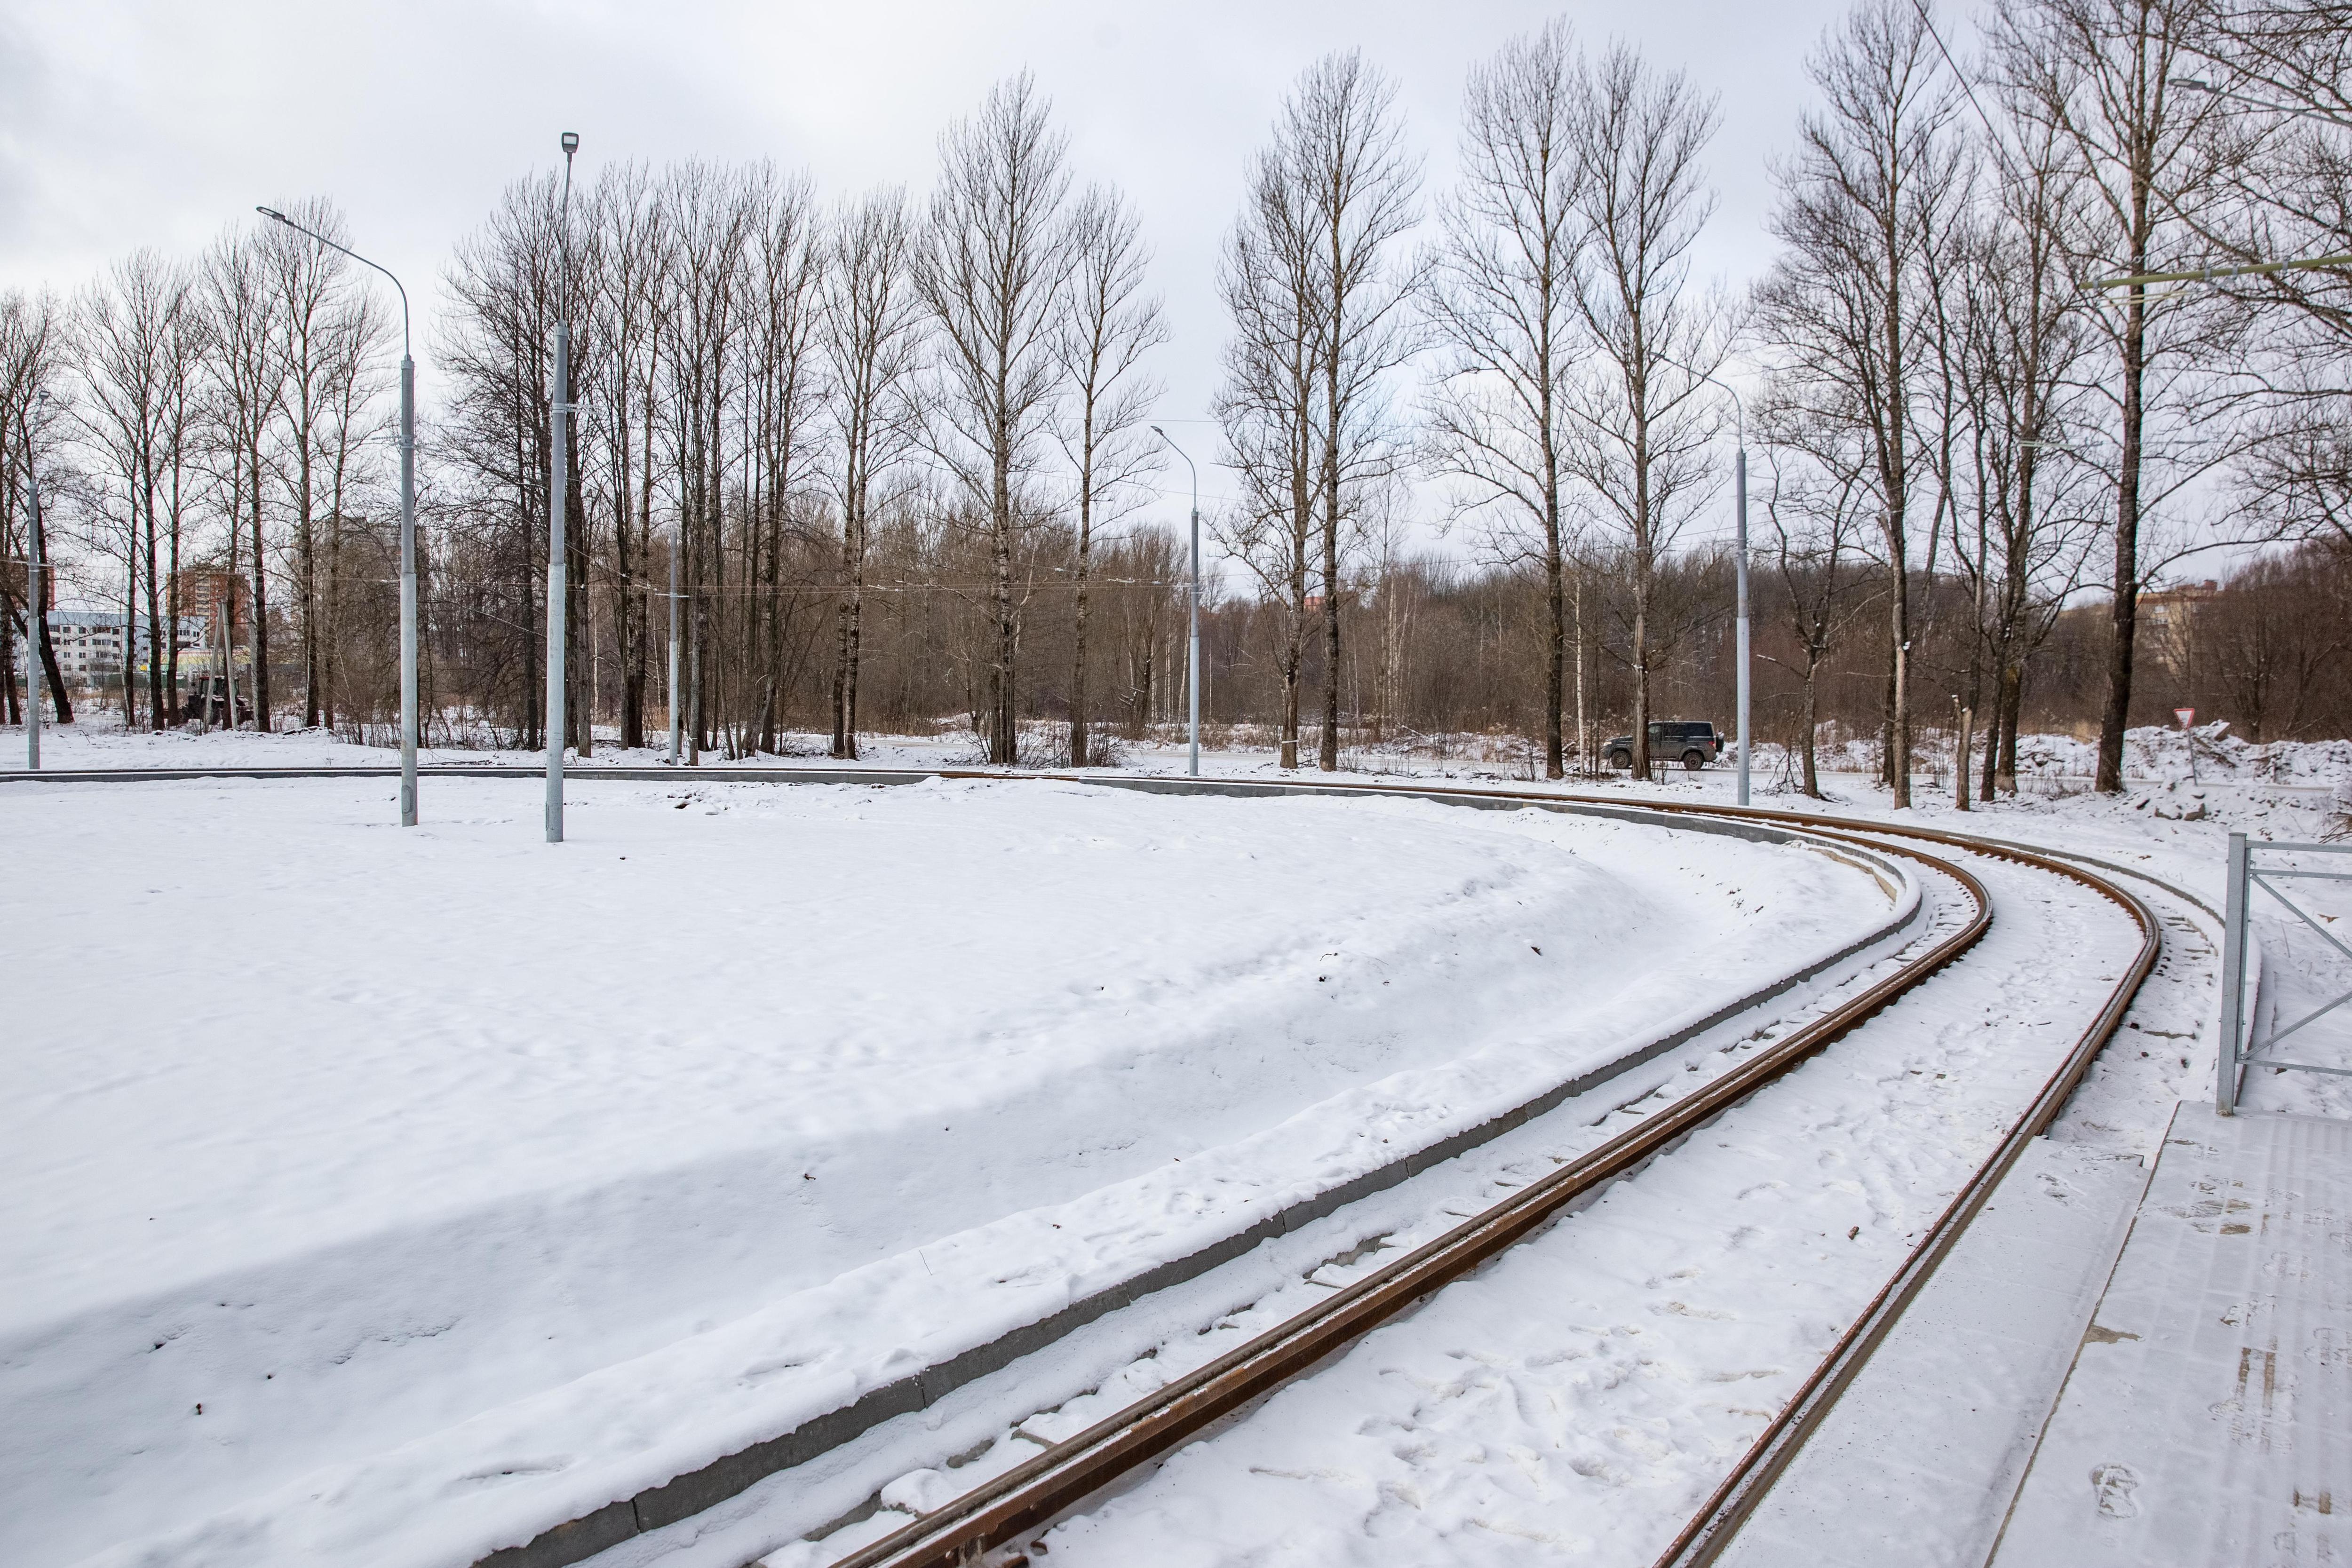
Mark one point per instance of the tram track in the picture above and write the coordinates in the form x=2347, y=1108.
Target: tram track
x=1018, y=1504
x=1011, y=1506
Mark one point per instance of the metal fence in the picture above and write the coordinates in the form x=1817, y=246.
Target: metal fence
x=2265, y=866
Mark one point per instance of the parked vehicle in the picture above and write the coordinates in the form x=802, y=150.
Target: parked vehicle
x=1696, y=743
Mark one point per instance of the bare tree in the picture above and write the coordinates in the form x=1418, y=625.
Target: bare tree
x=782, y=387
x=872, y=344
x=2101, y=74
x=992, y=263
x=496, y=441
x=248, y=382
x=313, y=307
x=1641, y=426
x=715, y=224
x=629, y=297
x=32, y=349
x=1502, y=303
x=1394, y=591
x=2283, y=133
x=181, y=435
x=1109, y=325
x=351, y=417
x=1817, y=503
x=1342, y=136
x=2265, y=641
x=2022, y=337
x=577, y=259
x=1875, y=183
x=130, y=337
x=1267, y=407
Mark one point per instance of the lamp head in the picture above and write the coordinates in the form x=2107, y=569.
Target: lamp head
x=1160, y=433
x=274, y=214
x=570, y=142
x=2192, y=84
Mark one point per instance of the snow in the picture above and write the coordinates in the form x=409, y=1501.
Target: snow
x=1920, y=1458
x=2204, y=1417
x=1947, y=1413
x=375, y=1190
x=586, y=1189
x=2051, y=767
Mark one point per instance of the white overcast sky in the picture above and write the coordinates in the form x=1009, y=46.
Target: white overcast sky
x=124, y=125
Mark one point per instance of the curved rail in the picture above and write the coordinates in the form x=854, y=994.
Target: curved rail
x=1034, y=1493
x=1709, y=1531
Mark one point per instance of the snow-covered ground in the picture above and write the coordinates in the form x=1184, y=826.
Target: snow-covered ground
x=2049, y=765
x=1575, y=1401
x=480, y=1170
x=1489, y=1427
x=370, y=1186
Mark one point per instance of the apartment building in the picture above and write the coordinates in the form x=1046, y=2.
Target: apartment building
x=89, y=644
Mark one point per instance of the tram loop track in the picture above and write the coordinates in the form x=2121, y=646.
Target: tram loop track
x=1114, y=1485
x=2051, y=1057
x=1118, y=1455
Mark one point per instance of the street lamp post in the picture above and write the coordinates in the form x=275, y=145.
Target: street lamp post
x=559, y=469
x=35, y=611
x=407, y=533
x=1740, y=470
x=676, y=714
x=1193, y=601
x=1739, y=481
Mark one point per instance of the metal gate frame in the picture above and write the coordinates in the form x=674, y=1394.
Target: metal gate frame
x=2240, y=1050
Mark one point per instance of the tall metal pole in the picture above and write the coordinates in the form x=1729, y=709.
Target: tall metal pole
x=407, y=587
x=557, y=571
x=407, y=535
x=1192, y=603
x=559, y=469
x=1739, y=481
x=1741, y=471
x=35, y=612
x=676, y=714
x=1192, y=671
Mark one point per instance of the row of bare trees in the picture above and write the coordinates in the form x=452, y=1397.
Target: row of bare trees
x=812, y=429
x=1954, y=330
x=778, y=381
x=223, y=409
x=1952, y=383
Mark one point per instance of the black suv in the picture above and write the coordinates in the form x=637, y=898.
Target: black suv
x=1697, y=744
